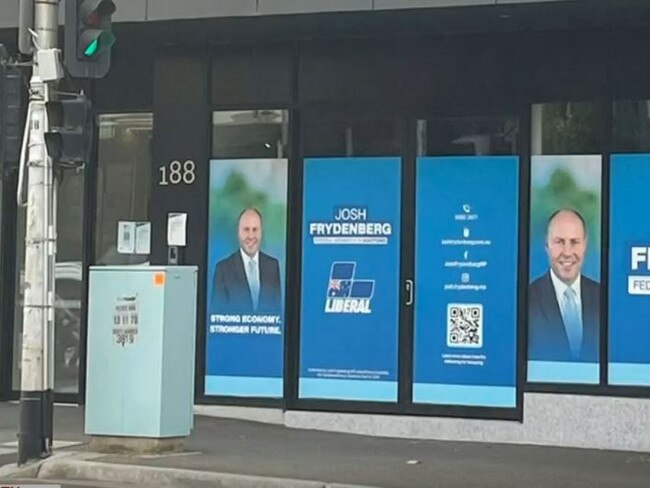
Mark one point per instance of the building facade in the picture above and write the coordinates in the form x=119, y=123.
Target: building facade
x=445, y=211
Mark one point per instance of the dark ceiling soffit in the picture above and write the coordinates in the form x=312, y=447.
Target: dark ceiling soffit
x=580, y=14
x=561, y=15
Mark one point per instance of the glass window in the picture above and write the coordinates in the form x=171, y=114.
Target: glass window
x=250, y=134
x=359, y=134
x=567, y=128
x=565, y=243
x=247, y=198
x=468, y=136
x=3, y=262
x=20, y=290
x=631, y=126
x=123, y=185
x=68, y=275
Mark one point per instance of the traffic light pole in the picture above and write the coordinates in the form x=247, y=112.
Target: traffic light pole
x=37, y=376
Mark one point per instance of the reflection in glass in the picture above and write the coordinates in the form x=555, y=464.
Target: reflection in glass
x=19, y=288
x=631, y=126
x=250, y=134
x=365, y=134
x=566, y=128
x=123, y=183
x=467, y=136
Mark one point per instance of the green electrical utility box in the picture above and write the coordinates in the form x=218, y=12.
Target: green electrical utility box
x=141, y=347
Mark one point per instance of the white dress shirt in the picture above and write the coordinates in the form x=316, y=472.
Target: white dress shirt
x=247, y=259
x=560, y=287
x=252, y=276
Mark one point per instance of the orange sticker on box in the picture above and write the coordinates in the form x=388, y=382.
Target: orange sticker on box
x=159, y=279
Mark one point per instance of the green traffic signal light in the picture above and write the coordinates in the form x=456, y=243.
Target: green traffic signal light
x=94, y=42
x=88, y=37
x=92, y=48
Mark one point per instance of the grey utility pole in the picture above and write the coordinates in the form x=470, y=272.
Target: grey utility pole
x=35, y=437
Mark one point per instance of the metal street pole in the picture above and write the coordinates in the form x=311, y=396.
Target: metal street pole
x=36, y=403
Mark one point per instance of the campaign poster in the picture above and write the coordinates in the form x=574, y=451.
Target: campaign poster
x=629, y=270
x=246, y=277
x=350, y=279
x=465, y=343
x=565, y=252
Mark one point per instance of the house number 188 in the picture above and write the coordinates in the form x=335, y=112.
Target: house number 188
x=176, y=173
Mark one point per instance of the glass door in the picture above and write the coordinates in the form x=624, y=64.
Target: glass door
x=466, y=258
x=348, y=343
x=410, y=235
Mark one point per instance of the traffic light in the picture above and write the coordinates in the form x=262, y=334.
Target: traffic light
x=68, y=136
x=88, y=37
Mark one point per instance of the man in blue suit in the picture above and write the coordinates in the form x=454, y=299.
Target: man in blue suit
x=563, y=304
x=248, y=281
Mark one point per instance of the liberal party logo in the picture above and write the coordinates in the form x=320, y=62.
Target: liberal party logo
x=345, y=293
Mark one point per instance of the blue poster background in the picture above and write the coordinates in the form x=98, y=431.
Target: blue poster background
x=629, y=303
x=563, y=182
x=466, y=224
x=245, y=364
x=350, y=356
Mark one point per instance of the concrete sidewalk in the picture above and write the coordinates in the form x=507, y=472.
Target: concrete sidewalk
x=224, y=452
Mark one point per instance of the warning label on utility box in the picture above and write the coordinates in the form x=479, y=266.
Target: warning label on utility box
x=125, y=320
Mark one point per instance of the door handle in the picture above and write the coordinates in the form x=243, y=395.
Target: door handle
x=409, y=289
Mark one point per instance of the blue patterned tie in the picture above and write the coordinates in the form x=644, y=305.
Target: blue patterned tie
x=572, y=322
x=253, y=282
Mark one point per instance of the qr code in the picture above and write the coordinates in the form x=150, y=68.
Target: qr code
x=464, y=325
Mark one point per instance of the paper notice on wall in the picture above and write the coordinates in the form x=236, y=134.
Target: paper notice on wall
x=177, y=229
x=143, y=238
x=125, y=237
x=126, y=318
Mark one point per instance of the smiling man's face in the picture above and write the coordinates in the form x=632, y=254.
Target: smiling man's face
x=566, y=243
x=250, y=232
